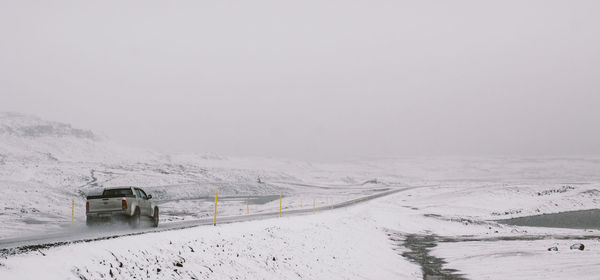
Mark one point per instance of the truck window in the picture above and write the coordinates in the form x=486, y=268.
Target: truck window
x=118, y=192
x=140, y=193
x=143, y=194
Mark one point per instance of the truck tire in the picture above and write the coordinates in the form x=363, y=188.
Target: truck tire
x=89, y=221
x=134, y=221
x=155, y=217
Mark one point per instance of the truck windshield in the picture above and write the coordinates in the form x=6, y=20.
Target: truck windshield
x=123, y=192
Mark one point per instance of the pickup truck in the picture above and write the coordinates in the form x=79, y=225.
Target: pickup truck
x=126, y=203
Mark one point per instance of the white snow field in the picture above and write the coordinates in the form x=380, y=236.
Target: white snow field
x=340, y=244
x=523, y=259
x=443, y=224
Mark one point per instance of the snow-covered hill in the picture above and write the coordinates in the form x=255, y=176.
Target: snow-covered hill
x=26, y=138
x=28, y=126
x=45, y=164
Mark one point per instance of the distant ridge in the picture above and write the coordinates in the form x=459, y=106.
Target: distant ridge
x=26, y=138
x=23, y=125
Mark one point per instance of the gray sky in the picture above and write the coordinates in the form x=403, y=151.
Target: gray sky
x=312, y=79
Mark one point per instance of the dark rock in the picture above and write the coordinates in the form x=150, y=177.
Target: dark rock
x=577, y=246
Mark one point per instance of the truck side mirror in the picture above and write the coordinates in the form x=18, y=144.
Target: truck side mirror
x=149, y=196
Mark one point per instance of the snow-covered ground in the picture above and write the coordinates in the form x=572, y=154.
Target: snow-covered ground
x=365, y=241
x=454, y=202
x=340, y=244
x=523, y=259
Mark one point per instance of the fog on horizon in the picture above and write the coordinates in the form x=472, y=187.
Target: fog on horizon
x=311, y=79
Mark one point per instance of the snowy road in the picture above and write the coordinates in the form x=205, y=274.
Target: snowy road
x=346, y=243
x=81, y=233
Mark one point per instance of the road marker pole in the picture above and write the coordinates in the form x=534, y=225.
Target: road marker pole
x=247, y=207
x=300, y=203
x=280, y=205
x=313, y=206
x=72, y=211
x=216, y=199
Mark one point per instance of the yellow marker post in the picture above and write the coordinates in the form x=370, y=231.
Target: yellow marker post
x=313, y=206
x=216, y=199
x=331, y=205
x=279, y=205
x=247, y=207
x=300, y=203
x=72, y=211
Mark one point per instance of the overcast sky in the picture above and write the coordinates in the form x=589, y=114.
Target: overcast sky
x=311, y=79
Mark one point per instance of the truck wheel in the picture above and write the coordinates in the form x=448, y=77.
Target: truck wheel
x=134, y=221
x=89, y=221
x=155, y=217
